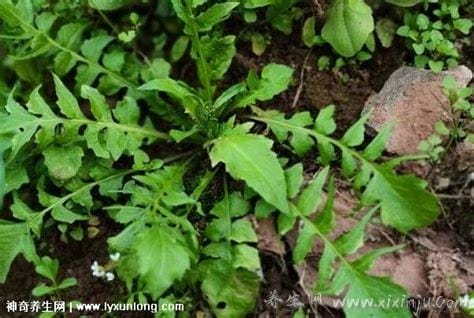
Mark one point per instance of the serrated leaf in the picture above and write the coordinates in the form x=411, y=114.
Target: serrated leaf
x=263, y=209
x=162, y=258
x=325, y=220
x=324, y=122
x=275, y=78
x=242, y=231
x=246, y=256
x=48, y=267
x=214, y=15
x=377, y=145
x=294, y=179
x=304, y=243
x=62, y=214
x=237, y=297
x=93, y=48
x=354, y=136
x=218, y=52
x=405, y=203
x=311, y=196
x=102, y=135
x=63, y=163
x=376, y=289
x=11, y=236
x=349, y=164
x=302, y=143
x=265, y=175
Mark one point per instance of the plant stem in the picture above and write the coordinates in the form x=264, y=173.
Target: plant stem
x=203, y=67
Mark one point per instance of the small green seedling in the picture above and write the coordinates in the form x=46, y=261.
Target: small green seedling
x=433, y=40
x=48, y=268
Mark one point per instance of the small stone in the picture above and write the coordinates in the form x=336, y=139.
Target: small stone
x=414, y=100
x=465, y=151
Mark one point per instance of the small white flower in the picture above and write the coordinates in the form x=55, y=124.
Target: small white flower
x=115, y=257
x=109, y=276
x=95, y=266
x=467, y=302
x=98, y=273
x=97, y=270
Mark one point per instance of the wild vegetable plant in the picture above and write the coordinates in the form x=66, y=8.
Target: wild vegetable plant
x=91, y=153
x=461, y=115
x=435, y=34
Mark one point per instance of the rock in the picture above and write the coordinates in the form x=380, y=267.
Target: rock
x=414, y=100
x=465, y=151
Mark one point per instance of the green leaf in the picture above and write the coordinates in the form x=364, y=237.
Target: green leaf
x=214, y=15
x=304, y=243
x=308, y=35
x=63, y=214
x=354, y=136
x=265, y=175
x=376, y=289
x=252, y=4
x=405, y=203
x=259, y=43
x=385, y=29
x=179, y=48
x=246, y=257
x=463, y=25
x=42, y=290
x=302, y=143
x=263, y=209
x=3, y=187
x=11, y=236
x=237, y=297
x=93, y=47
x=10, y=14
x=48, y=268
x=63, y=163
x=66, y=101
x=325, y=123
x=162, y=258
x=311, y=196
x=325, y=220
x=102, y=134
x=348, y=24
x=337, y=274
x=376, y=147
x=404, y=3
x=108, y=5
x=294, y=179
x=436, y=66
x=68, y=282
x=242, y=231
x=275, y=78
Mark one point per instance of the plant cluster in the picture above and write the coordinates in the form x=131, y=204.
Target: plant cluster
x=435, y=34
x=86, y=147
x=461, y=116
